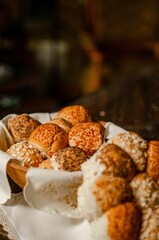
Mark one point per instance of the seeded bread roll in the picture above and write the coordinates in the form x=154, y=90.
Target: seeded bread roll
x=116, y=162
x=75, y=114
x=88, y=136
x=152, y=168
x=109, y=160
x=150, y=224
x=145, y=191
x=27, y=154
x=119, y=223
x=135, y=146
x=21, y=126
x=65, y=125
x=98, y=195
x=47, y=164
x=68, y=159
x=49, y=138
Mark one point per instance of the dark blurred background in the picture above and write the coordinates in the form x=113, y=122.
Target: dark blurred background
x=53, y=52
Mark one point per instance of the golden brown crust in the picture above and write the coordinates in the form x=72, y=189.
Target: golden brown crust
x=65, y=125
x=69, y=158
x=135, y=146
x=21, y=126
x=117, y=162
x=47, y=164
x=111, y=191
x=124, y=222
x=49, y=137
x=88, y=136
x=153, y=160
x=27, y=154
x=75, y=114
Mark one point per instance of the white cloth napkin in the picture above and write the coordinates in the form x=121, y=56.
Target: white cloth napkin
x=26, y=223
x=48, y=210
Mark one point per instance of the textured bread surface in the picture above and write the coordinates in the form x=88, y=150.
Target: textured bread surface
x=49, y=137
x=75, y=114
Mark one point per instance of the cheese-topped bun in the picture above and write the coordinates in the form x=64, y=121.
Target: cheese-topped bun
x=88, y=136
x=27, y=154
x=145, y=191
x=21, y=126
x=150, y=224
x=121, y=222
x=75, y=114
x=65, y=125
x=49, y=137
x=134, y=145
x=152, y=168
x=97, y=196
x=47, y=164
x=109, y=160
x=68, y=159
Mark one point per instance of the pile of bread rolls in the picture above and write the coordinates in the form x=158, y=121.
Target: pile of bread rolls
x=119, y=195
x=63, y=143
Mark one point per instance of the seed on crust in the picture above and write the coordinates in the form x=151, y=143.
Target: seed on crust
x=145, y=191
x=135, y=146
x=75, y=114
x=88, y=136
x=116, y=161
x=49, y=137
x=21, y=126
x=27, y=154
x=68, y=159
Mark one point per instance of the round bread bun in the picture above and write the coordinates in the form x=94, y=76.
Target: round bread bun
x=116, y=161
x=75, y=114
x=21, y=126
x=150, y=224
x=27, y=154
x=145, y=191
x=68, y=159
x=152, y=168
x=49, y=138
x=98, y=195
x=47, y=164
x=88, y=136
x=135, y=146
x=121, y=222
x=65, y=125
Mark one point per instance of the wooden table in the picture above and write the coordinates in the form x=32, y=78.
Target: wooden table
x=132, y=102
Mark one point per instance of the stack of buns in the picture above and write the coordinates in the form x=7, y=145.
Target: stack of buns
x=62, y=143
x=119, y=195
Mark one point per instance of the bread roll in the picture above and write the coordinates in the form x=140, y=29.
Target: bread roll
x=121, y=222
x=21, y=126
x=135, y=146
x=88, y=136
x=75, y=114
x=49, y=137
x=145, y=191
x=27, y=154
x=47, y=164
x=109, y=160
x=68, y=159
x=65, y=125
x=150, y=224
x=98, y=195
x=152, y=168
